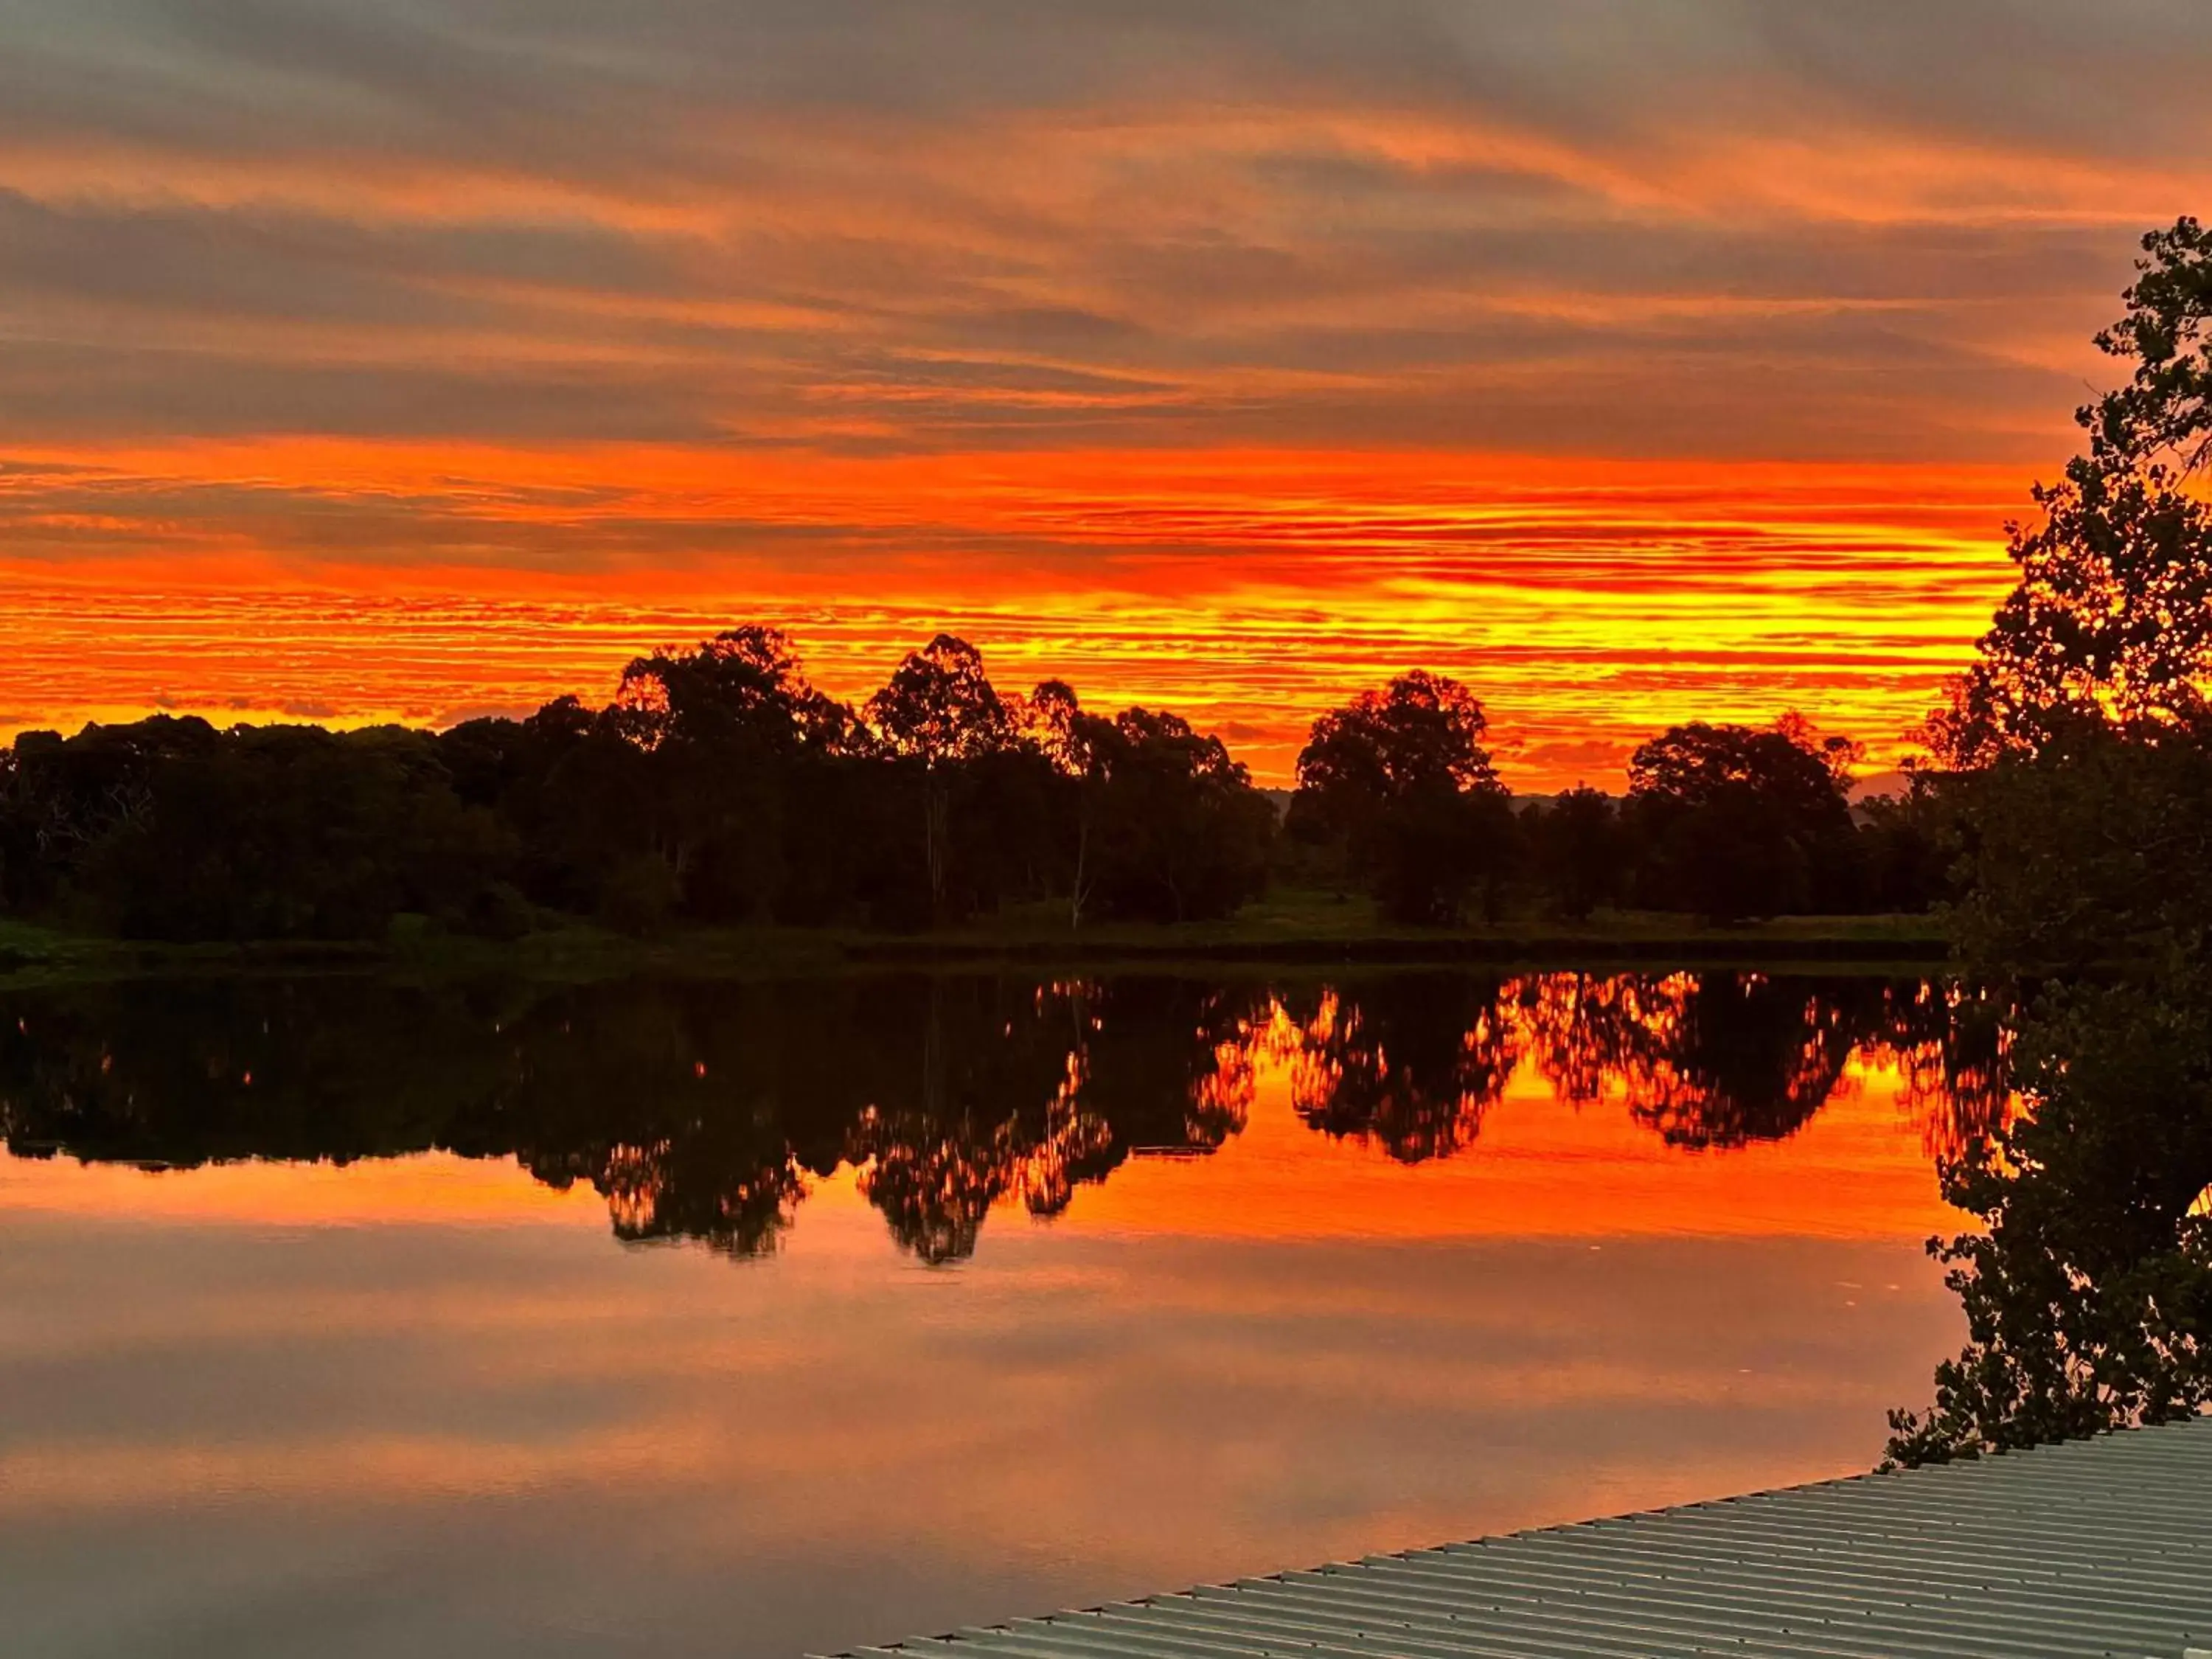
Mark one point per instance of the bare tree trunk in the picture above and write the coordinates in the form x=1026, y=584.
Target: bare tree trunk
x=1082, y=863
x=933, y=815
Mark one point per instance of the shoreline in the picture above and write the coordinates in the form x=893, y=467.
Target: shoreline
x=30, y=955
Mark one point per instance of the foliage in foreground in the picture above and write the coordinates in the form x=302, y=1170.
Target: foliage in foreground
x=2089, y=1294
x=2081, y=744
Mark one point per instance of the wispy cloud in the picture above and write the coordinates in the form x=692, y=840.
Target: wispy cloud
x=815, y=303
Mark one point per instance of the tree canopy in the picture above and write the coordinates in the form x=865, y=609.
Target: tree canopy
x=1398, y=786
x=940, y=705
x=2110, y=620
x=1747, y=822
x=1421, y=733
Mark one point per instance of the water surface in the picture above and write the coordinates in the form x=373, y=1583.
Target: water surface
x=683, y=1318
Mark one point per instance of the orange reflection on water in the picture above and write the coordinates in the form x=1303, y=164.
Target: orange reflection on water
x=1542, y=1169
x=1550, y=1142
x=1467, y=1254
x=425, y=1189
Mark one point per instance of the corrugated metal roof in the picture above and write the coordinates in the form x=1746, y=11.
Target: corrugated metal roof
x=2099, y=1546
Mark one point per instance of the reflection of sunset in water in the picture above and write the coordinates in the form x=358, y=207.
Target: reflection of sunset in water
x=1542, y=1170
x=1314, y=1270
x=1428, y=1105
x=428, y=1187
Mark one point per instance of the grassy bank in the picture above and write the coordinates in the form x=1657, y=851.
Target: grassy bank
x=1289, y=929
x=1321, y=928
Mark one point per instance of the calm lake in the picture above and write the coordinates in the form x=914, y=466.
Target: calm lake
x=340, y=1317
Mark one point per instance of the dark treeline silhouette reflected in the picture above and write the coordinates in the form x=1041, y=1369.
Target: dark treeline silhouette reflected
x=702, y=1109
x=1411, y=1061
x=2088, y=1289
x=1408, y=1061
x=698, y=1109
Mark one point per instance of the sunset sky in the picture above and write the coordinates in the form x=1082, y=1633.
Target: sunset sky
x=375, y=359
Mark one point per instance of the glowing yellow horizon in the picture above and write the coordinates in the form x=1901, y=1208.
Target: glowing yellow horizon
x=1589, y=604
x=1230, y=360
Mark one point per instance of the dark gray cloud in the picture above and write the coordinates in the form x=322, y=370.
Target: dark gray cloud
x=2113, y=74
x=1716, y=226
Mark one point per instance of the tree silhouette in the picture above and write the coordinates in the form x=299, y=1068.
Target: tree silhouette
x=1184, y=834
x=2166, y=409
x=1581, y=853
x=1421, y=732
x=1399, y=782
x=2094, y=853
x=1078, y=746
x=940, y=709
x=2084, y=743
x=1743, y=823
x=744, y=687
x=2110, y=617
x=728, y=726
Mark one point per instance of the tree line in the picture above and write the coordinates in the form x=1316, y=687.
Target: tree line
x=719, y=786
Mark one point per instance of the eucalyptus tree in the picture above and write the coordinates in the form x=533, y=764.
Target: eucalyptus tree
x=1739, y=821
x=1399, y=783
x=939, y=710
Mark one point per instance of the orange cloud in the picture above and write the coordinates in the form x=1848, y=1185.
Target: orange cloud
x=1588, y=604
x=1229, y=362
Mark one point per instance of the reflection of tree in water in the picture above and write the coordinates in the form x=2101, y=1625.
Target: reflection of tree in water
x=1410, y=1061
x=1720, y=1059
x=178, y=1074
x=1951, y=1045
x=2088, y=1290
x=1706, y=1060
x=703, y=1110
x=1171, y=1062
x=1738, y=1057
x=987, y=1108
x=1035, y=1092
x=1579, y=1027
x=651, y=1196
x=698, y=1110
